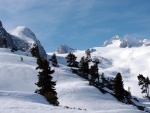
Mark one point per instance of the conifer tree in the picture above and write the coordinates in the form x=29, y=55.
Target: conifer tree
x=71, y=60
x=118, y=87
x=144, y=82
x=35, y=51
x=94, y=71
x=93, y=74
x=54, y=60
x=45, y=83
x=84, y=67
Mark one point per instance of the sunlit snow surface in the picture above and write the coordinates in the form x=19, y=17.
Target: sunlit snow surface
x=130, y=62
x=18, y=78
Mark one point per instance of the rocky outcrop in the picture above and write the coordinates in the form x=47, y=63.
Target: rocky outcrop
x=130, y=42
x=64, y=49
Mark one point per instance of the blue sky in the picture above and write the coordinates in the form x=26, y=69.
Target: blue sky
x=80, y=24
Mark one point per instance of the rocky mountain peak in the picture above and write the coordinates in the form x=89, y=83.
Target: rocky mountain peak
x=64, y=49
x=25, y=39
x=21, y=38
x=112, y=40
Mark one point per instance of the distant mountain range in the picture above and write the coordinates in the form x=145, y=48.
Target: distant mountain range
x=22, y=38
x=127, y=41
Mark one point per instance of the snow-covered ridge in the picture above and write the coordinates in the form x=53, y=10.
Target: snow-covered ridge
x=127, y=41
x=25, y=39
x=24, y=33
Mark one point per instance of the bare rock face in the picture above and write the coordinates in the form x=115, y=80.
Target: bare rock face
x=129, y=41
x=123, y=44
x=4, y=34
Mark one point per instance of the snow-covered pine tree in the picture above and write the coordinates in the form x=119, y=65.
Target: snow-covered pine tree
x=45, y=83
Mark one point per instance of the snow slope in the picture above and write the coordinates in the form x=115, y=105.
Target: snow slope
x=130, y=62
x=22, y=102
x=76, y=92
x=17, y=86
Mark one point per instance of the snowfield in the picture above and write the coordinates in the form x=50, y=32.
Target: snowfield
x=18, y=78
x=130, y=62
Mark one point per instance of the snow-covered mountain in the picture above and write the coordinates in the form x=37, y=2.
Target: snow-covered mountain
x=21, y=38
x=25, y=39
x=65, y=49
x=127, y=41
x=18, y=78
